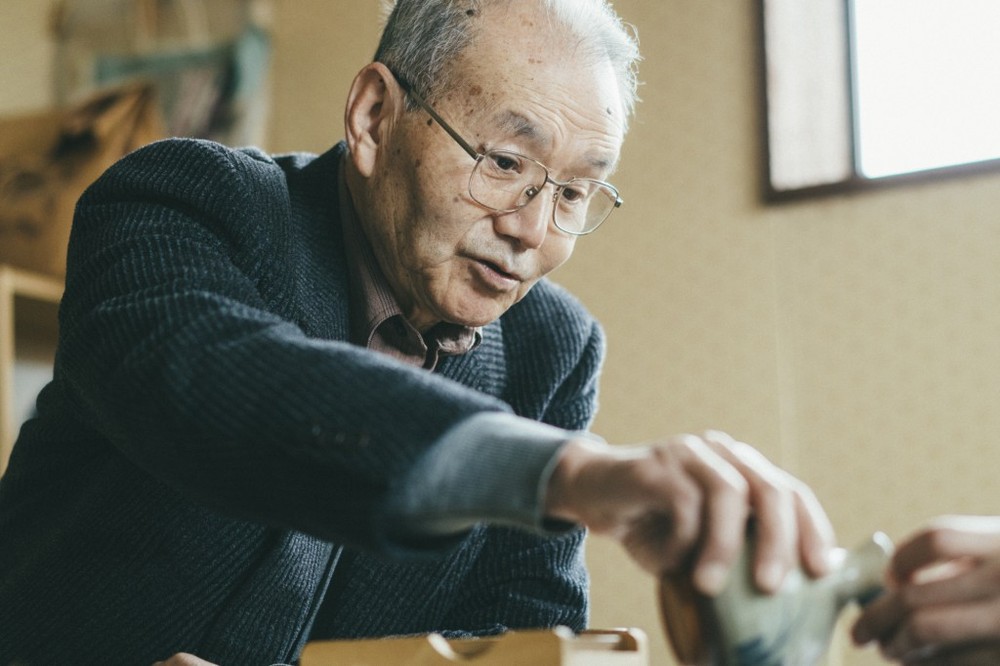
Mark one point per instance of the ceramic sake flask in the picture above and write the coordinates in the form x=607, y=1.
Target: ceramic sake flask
x=792, y=627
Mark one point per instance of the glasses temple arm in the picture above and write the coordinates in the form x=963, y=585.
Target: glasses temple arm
x=408, y=89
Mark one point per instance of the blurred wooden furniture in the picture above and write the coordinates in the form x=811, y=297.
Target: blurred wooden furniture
x=29, y=305
x=554, y=647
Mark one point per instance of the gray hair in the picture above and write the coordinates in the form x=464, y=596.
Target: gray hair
x=422, y=37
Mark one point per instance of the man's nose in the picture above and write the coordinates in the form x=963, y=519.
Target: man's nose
x=530, y=223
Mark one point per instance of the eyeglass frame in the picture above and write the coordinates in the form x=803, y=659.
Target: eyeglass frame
x=477, y=156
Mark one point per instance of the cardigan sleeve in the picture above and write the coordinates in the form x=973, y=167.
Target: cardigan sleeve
x=523, y=579
x=496, y=466
x=178, y=343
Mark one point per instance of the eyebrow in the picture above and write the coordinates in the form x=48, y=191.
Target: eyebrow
x=517, y=125
x=520, y=126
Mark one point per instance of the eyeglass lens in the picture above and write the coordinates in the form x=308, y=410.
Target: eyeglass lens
x=506, y=182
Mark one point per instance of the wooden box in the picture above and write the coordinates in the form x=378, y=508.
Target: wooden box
x=550, y=647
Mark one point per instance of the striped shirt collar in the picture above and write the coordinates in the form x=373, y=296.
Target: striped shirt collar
x=377, y=321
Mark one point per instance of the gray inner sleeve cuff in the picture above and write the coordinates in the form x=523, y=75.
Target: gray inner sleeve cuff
x=492, y=467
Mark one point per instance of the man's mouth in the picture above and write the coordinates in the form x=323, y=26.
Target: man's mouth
x=497, y=268
x=500, y=276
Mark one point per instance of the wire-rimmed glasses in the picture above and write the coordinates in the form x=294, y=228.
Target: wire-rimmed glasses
x=504, y=182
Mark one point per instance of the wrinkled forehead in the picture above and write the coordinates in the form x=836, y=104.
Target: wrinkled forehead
x=544, y=113
x=570, y=126
x=519, y=44
x=598, y=158
x=514, y=28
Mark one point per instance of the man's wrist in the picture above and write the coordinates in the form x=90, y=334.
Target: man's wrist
x=572, y=460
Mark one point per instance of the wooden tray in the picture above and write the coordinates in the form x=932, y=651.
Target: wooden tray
x=551, y=647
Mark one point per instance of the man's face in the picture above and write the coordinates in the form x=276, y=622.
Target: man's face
x=446, y=257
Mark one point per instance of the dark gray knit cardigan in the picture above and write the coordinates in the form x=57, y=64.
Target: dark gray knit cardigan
x=210, y=444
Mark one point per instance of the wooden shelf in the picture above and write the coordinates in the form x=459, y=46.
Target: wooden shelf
x=29, y=304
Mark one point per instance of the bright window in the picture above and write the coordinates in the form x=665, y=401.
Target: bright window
x=860, y=92
x=927, y=83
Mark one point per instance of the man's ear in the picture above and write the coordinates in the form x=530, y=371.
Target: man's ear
x=373, y=104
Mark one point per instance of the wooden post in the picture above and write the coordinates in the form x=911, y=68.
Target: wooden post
x=19, y=290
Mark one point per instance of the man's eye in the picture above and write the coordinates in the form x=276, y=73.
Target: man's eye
x=505, y=163
x=572, y=195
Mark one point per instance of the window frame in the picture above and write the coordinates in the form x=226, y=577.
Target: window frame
x=854, y=181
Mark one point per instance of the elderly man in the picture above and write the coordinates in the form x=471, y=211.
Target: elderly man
x=333, y=396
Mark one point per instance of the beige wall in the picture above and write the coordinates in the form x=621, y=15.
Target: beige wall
x=855, y=339
x=26, y=54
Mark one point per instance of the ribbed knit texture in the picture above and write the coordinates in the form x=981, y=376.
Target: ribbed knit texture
x=210, y=440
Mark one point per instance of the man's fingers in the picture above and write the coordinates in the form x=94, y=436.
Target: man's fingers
x=790, y=522
x=817, y=538
x=726, y=506
x=776, y=532
x=687, y=500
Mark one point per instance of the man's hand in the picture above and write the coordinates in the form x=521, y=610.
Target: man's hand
x=184, y=659
x=687, y=500
x=943, y=605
